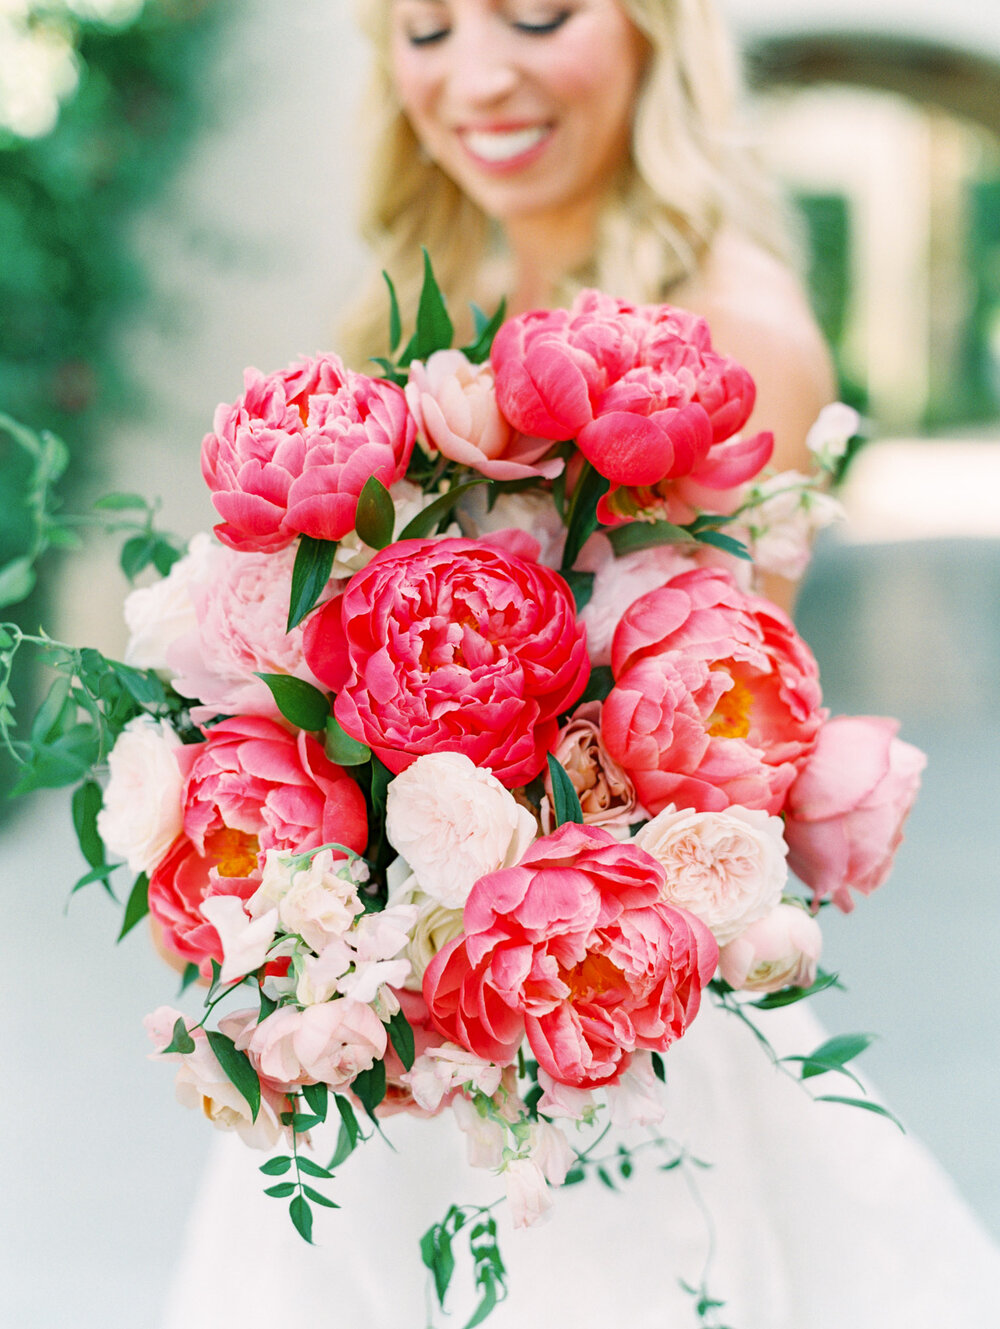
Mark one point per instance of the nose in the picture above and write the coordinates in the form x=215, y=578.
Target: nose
x=484, y=69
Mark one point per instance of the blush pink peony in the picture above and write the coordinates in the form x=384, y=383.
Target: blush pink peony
x=291, y=456
x=845, y=812
x=452, y=646
x=716, y=699
x=639, y=388
x=575, y=948
x=251, y=786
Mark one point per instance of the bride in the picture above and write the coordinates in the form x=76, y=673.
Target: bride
x=535, y=147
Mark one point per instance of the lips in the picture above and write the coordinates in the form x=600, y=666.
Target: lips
x=502, y=146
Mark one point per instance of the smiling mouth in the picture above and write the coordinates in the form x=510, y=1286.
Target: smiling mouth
x=498, y=147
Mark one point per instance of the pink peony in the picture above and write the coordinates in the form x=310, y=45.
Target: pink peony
x=716, y=698
x=452, y=646
x=251, y=786
x=291, y=456
x=845, y=812
x=638, y=387
x=575, y=948
x=454, y=404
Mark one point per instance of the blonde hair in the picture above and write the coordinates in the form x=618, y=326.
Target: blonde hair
x=690, y=171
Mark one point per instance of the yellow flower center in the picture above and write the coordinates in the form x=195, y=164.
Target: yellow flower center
x=235, y=852
x=731, y=717
x=594, y=977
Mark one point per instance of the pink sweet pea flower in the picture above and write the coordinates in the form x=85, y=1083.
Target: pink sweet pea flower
x=291, y=456
x=845, y=812
x=575, y=948
x=716, y=699
x=250, y=787
x=452, y=646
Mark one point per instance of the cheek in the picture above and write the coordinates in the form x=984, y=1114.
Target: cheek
x=411, y=79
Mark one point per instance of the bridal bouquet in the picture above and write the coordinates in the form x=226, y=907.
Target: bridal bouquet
x=467, y=753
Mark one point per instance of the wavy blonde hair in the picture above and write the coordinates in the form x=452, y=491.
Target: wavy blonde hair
x=690, y=171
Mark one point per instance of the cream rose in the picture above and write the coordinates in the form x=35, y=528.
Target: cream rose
x=142, y=815
x=453, y=822
x=606, y=794
x=727, y=868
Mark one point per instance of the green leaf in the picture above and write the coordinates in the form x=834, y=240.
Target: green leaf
x=582, y=586
x=17, y=581
x=100, y=873
x=395, y=323
x=369, y=1086
x=345, y=1147
x=142, y=685
x=877, y=1108
x=301, y=1216
x=659, y=1069
x=349, y=1121
x=486, y=329
x=313, y=565
x=121, y=502
x=318, y=1098
x=282, y=1191
x=312, y=1169
x=647, y=535
x=86, y=805
x=401, y=1037
x=565, y=801
x=138, y=905
x=389, y=370
x=6, y=640
x=488, y=1303
x=165, y=555
x=191, y=975
x=726, y=543
x=319, y=1198
x=137, y=554
x=267, y=1006
x=276, y=1167
x=63, y=762
x=436, y=1254
x=581, y=518
x=182, y=1040
x=429, y=518
x=301, y=1122
x=788, y=996
x=376, y=515
x=238, y=1068
x=55, y=714
x=835, y=1053
x=434, y=329
x=298, y=701
x=605, y=1177
x=600, y=683
x=341, y=748
x=574, y=1176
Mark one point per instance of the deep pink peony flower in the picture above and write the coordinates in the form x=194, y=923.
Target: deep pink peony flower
x=716, y=698
x=452, y=646
x=291, y=456
x=575, y=948
x=251, y=786
x=637, y=386
x=845, y=812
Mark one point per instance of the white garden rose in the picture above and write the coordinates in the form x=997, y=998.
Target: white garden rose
x=158, y=615
x=142, y=815
x=434, y=927
x=453, y=822
x=727, y=868
x=530, y=511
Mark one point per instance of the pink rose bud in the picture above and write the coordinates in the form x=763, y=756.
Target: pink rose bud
x=845, y=812
x=780, y=950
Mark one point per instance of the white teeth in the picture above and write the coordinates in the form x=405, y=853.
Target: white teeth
x=503, y=145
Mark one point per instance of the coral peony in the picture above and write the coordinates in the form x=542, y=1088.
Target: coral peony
x=576, y=948
x=845, y=812
x=716, y=698
x=452, y=646
x=291, y=456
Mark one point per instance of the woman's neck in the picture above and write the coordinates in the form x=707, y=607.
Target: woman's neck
x=545, y=248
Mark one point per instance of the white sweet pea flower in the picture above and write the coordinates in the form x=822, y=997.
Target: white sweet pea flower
x=440, y=1070
x=369, y=977
x=833, y=429
x=636, y=1098
x=527, y=1192
x=485, y=1137
x=784, y=524
x=317, y=900
x=562, y=1100
x=319, y=976
x=141, y=814
x=245, y=940
x=382, y=935
x=453, y=822
x=551, y=1151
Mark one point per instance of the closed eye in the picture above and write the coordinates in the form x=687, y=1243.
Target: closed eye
x=542, y=29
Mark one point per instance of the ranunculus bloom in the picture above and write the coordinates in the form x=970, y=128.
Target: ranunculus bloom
x=716, y=699
x=453, y=822
x=251, y=786
x=606, y=794
x=141, y=812
x=455, y=407
x=778, y=951
x=638, y=387
x=291, y=456
x=452, y=646
x=845, y=812
x=727, y=868
x=241, y=608
x=576, y=948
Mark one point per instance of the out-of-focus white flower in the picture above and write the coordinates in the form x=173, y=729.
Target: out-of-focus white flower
x=636, y=1098
x=141, y=814
x=161, y=613
x=484, y=1136
x=783, y=526
x=245, y=940
x=833, y=429
x=528, y=1192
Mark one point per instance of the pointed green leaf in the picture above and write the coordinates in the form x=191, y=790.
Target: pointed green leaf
x=317, y=1096
x=302, y=1217
x=100, y=873
x=121, y=502
x=401, y=1037
x=17, y=581
x=646, y=535
x=282, y=1191
x=582, y=586
x=369, y=1087
x=342, y=748
x=349, y=1120
x=137, y=554
x=486, y=330
x=862, y=1103
x=182, y=1040
x=376, y=515
x=565, y=800
x=488, y=1302
x=6, y=640
x=191, y=975
x=395, y=324
x=345, y=1147
x=726, y=543
x=600, y=683
x=659, y=1069
x=299, y=702
x=138, y=905
x=313, y=565
x=319, y=1198
x=312, y=1169
x=238, y=1067
x=842, y=1048
x=86, y=805
x=276, y=1167
x=581, y=517
x=434, y=514
x=789, y=996
x=434, y=329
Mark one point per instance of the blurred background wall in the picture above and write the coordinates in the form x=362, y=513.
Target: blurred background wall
x=176, y=183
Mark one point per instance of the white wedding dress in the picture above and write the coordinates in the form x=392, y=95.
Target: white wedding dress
x=825, y=1217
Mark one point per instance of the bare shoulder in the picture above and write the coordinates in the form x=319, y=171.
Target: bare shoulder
x=759, y=314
